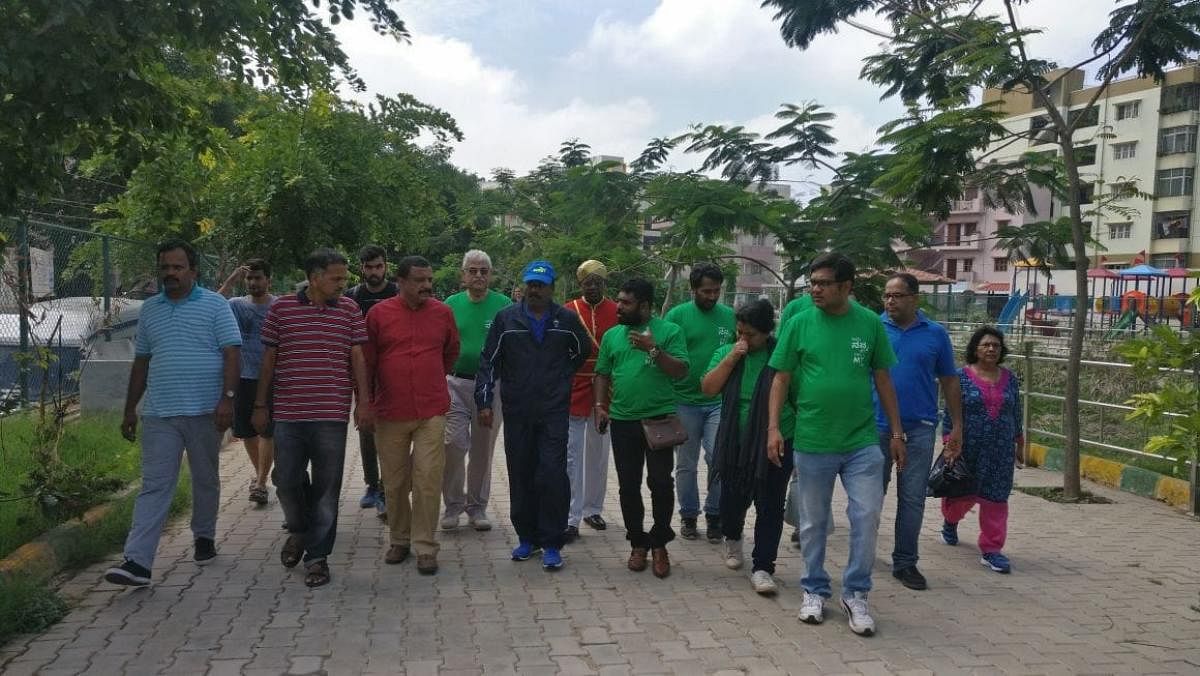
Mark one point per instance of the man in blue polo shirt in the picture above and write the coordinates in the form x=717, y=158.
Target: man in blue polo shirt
x=187, y=362
x=926, y=358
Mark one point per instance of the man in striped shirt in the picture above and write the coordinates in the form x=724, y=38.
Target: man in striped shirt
x=312, y=363
x=186, y=362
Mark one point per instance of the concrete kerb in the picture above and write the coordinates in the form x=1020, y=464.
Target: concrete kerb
x=1117, y=475
x=40, y=558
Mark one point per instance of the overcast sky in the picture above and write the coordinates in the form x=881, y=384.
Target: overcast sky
x=521, y=76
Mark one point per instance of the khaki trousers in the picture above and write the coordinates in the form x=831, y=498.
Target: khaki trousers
x=411, y=461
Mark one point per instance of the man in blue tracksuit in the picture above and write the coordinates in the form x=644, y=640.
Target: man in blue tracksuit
x=534, y=347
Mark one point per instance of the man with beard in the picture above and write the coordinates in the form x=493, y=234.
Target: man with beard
x=186, y=361
x=413, y=346
x=374, y=288
x=250, y=311
x=707, y=325
x=534, y=348
x=640, y=360
x=587, y=448
x=466, y=440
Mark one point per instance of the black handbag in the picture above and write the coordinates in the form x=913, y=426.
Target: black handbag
x=663, y=433
x=950, y=480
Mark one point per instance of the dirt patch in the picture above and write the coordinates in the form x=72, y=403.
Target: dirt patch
x=1055, y=494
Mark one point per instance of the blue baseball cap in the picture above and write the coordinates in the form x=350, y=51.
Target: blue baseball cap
x=538, y=271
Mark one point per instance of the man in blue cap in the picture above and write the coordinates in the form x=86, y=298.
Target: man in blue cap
x=534, y=347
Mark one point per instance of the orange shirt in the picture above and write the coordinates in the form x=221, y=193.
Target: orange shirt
x=596, y=320
x=409, y=352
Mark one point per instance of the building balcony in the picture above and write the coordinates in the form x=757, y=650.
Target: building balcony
x=968, y=243
x=974, y=206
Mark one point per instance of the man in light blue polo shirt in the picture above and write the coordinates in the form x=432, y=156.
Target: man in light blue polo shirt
x=187, y=363
x=926, y=358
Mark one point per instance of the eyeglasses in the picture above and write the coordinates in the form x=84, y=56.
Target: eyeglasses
x=990, y=346
x=897, y=296
x=482, y=272
x=823, y=283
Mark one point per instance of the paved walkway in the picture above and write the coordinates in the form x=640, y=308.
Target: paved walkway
x=1095, y=589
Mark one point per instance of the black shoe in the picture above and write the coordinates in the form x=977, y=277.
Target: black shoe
x=129, y=574
x=206, y=551
x=712, y=530
x=688, y=530
x=596, y=521
x=571, y=534
x=911, y=577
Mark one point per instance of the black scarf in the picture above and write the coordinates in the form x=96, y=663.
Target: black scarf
x=741, y=455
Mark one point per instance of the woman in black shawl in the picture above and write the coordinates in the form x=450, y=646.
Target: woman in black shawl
x=739, y=372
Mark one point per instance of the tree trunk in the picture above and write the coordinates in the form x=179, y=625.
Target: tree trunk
x=1071, y=487
x=671, y=279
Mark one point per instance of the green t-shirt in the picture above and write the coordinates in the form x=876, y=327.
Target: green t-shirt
x=473, y=321
x=704, y=333
x=640, y=389
x=754, y=364
x=833, y=357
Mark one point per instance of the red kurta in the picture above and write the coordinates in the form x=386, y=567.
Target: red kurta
x=410, y=352
x=596, y=320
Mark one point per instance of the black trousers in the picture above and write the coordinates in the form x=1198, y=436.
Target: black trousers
x=535, y=451
x=769, y=498
x=630, y=453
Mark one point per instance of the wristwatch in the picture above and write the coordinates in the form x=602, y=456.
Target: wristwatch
x=901, y=436
x=230, y=394
x=653, y=352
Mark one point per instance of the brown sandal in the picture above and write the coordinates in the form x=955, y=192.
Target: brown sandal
x=292, y=550
x=317, y=574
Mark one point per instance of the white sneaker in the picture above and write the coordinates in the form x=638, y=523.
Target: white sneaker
x=763, y=583
x=480, y=521
x=449, y=522
x=859, y=614
x=734, y=556
x=812, y=608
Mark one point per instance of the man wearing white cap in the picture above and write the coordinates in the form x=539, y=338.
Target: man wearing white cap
x=587, y=448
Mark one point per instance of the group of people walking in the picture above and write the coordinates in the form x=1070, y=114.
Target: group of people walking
x=776, y=415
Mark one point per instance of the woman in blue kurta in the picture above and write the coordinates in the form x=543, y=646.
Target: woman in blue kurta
x=991, y=445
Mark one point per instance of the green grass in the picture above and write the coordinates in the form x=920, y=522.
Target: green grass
x=94, y=442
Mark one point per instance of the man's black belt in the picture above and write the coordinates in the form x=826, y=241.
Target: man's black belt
x=464, y=376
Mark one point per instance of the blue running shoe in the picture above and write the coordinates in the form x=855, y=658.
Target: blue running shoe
x=950, y=533
x=369, y=498
x=524, y=551
x=997, y=562
x=552, y=559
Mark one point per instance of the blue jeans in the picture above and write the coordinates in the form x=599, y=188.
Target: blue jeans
x=862, y=477
x=163, y=441
x=701, y=423
x=310, y=505
x=910, y=490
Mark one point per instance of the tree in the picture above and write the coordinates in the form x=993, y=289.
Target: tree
x=937, y=52
x=77, y=75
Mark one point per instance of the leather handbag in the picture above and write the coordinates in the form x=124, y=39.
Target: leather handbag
x=664, y=432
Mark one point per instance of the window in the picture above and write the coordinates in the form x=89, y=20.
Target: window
x=953, y=232
x=1040, y=131
x=1120, y=230
x=1171, y=225
x=1173, y=182
x=1128, y=109
x=1125, y=151
x=1180, y=97
x=1087, y=193
x=1177, y=140
x=1085, y=155
x=1089, y=117
x=760, y=240
x=1000, y=264
x=1123, y=189
x=968, y=229
x=968, y=264
x=1165, y=261
x=1002, y=224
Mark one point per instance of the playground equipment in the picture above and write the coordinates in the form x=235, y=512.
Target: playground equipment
x=1123, y=324
x=1011, y=308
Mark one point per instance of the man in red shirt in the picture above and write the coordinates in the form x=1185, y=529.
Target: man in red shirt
x=588, y=449
x=413, y=344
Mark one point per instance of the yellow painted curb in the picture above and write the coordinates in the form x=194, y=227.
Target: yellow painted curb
x=1174, y=492
x=1101, y=471
x=1037, y=455
x=31, y=556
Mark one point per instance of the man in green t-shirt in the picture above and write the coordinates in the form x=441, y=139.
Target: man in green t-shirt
x=469, y=445
x=640, y=360
x=706, y=325
x=835, y=349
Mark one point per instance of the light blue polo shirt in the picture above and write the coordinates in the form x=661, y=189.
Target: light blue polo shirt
x=925, y=354
x=184, y=340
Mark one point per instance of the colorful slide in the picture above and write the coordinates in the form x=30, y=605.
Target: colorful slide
x=1011, y=309
x=1123, y=324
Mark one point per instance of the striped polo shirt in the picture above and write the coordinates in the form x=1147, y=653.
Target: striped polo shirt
x=184, y=340
x=312, y=356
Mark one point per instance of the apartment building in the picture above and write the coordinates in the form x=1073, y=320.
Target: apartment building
x=1140, y=136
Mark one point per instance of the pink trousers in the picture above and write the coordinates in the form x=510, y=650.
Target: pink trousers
x=993, y=519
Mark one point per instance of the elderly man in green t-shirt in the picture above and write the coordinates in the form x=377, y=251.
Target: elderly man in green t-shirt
x=834, y=350
x=469, y=445
x=706, y=325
